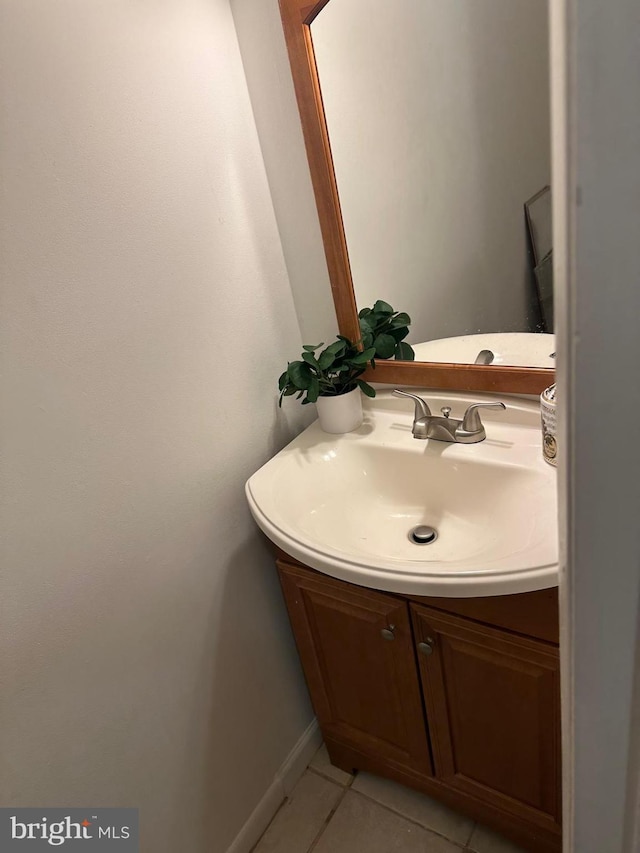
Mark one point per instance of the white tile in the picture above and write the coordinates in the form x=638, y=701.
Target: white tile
x=416, y=806
x=486, y=840
x=302, y=816
x=321, y=763
x=362, y=826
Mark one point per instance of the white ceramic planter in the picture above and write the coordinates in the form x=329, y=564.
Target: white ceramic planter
x=342, y=413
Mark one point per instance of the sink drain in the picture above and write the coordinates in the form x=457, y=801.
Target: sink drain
x=423, y=534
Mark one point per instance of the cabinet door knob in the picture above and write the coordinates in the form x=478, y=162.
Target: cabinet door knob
x=387, y=633
x=427, y=647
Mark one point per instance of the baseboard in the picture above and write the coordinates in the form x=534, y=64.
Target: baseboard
x=298, y=759
x=259, y=819
x=285, y=780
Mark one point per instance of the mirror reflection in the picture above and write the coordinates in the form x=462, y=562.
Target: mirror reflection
x=439, y=123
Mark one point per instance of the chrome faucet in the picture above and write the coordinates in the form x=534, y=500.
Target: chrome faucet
x=467, y=430
x=485, y=356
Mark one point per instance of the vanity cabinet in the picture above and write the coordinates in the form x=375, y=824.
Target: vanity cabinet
x=356, y=647
x=493, y=709
x=458, y=698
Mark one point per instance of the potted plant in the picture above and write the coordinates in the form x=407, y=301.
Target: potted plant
x=385, y=330
x=331, y=378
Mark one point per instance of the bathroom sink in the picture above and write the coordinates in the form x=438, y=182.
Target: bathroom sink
x=346, y=505
x=518, y=349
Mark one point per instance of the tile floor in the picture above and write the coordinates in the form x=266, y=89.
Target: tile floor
x=330, y=811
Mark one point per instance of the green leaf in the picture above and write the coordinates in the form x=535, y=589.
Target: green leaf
x=364, y=356
x=367, y=339
x=311, y=347
x=366, y=388
x=404, y=352
x=339, y=346
x=384, y=346
x=381, y=307
x=311, y=359
x=364, y=312
x=314, y=390
x=333, y=352
x=366, y=324
x=399, y=334
x=326, y=359
x=300, y=374
x=283, y=381
x=401, y=319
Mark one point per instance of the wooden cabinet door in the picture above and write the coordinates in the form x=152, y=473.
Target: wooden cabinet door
x=493, y=705
x=358, y=657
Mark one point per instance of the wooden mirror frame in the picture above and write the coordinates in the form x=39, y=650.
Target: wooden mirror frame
x=297, y=17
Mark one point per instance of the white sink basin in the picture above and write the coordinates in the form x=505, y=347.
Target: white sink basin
x=517, y=349
x=345, y=505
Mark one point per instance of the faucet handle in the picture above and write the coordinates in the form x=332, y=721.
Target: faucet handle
x=471, y=421
x=422, y=408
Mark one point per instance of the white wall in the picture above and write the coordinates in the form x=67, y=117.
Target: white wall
x=438, y=116
x=146, y=316
x=596, y=66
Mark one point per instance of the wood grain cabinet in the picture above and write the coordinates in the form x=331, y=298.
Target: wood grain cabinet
x=356, y=648
x=458, y=698
x=493, y=705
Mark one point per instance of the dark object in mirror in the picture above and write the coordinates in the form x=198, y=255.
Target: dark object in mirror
x=538, y=213
x=544, y=282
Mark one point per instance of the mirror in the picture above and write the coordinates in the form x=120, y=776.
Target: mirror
x=427, y=130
